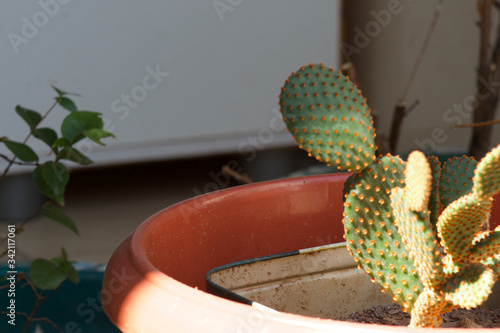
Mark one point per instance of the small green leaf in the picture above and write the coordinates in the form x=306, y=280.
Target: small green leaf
x=58, y=91
x=96, y=134
x=64, y=254
x=56, y=214
x=51, y=179
x=21, y=151
x=61, y=92
x=45, y=274
x=66, y=103
x=32, y=118
x=47, y=135
x=70, y=271
x=77, y=122
x=61, y=142
x=74, y=155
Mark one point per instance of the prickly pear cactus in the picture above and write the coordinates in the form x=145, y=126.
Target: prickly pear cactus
x=463, y=275
x=329, y=118
x=428, y=263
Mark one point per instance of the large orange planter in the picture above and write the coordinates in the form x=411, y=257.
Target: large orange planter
x=155, y=280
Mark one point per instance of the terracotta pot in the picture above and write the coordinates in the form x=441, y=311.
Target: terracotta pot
x=155, y=280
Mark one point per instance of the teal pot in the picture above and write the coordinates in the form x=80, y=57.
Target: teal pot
x=73, y=308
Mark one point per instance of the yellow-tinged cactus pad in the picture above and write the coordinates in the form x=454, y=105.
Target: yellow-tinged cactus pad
x=470, y=287
x=427, y=310
x=418, y=180
x=328, y=117
x=459, y=223
x=486, y=247
x=487, y=175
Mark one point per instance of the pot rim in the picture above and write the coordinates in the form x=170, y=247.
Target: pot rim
x=195, y=297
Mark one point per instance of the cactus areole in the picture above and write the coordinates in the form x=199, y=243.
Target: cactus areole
x=429, y=260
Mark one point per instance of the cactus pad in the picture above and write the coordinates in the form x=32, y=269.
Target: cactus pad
x=414, y=228
x=427, y=310
x=372, y=236
x=459, y=223
x=412, y=220
x=418, y=179
x=487, y=175
x=456, y=178
x=486, y=246
x=470, y=287
x=328, y=117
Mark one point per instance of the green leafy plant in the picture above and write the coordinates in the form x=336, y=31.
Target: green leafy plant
x=51, y=178
x=427, y=260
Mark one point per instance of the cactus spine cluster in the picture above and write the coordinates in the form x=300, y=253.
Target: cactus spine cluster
x=391, y=210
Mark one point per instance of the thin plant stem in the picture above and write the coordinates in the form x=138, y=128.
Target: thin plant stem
x=12, y=161
x=29, y=218
x=30, y=318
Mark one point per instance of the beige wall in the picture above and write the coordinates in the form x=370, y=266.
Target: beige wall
x=445, y=82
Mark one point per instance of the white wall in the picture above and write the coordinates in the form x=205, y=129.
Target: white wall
x=225, y=59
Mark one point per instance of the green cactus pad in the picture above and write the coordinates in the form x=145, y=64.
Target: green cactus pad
x=487, y=176
x=409, y=206
x=415, y=230
x=457, y=174
x=328, y=117
x=434, y=200
x=371, y=234
x=486, y=246
x=460, y=222
x=470, y=287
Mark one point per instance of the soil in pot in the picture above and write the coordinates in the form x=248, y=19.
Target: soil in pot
x=484, y=316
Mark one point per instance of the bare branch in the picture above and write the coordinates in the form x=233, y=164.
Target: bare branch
x=423, y=50
x=484, y=123
x=401, y=108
